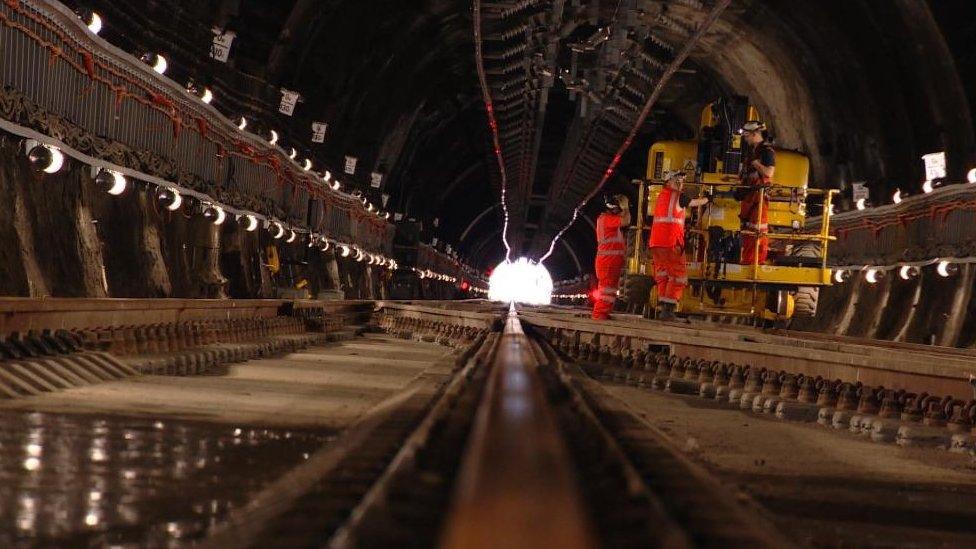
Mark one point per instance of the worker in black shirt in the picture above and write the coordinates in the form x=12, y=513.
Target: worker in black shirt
x=755, y=173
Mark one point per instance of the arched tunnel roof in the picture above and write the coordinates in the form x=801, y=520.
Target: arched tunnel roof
x=863, y=88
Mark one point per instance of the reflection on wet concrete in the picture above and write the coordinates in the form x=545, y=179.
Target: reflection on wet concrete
x=132, y=482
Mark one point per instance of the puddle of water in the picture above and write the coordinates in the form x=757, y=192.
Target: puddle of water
x=130, y=482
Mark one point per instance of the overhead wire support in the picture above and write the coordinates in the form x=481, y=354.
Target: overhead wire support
x=672, y=69
x=492, y=123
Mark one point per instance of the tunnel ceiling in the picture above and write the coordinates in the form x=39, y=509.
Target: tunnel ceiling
x=862, y=87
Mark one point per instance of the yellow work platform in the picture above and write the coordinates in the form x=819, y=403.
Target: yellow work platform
x=767, y=274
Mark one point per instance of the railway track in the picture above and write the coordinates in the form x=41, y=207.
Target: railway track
x=521, y=449
x=530, y=428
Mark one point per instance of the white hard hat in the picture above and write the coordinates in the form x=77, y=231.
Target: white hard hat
x=753, y=126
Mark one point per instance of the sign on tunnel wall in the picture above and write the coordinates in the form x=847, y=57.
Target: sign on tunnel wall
x=318, y=132
x=935, y=166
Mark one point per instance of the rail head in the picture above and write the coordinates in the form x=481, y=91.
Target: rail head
x=516, y=487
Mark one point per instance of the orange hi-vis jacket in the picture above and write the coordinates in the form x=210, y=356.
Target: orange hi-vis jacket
x=609, y=238
x=668, y=227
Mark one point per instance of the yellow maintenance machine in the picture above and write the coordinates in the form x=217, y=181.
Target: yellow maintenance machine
x=787, y=285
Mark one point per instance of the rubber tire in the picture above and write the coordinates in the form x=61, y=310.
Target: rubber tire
x=806, y=297
x=806, y=249
x=805, y=302
x=637, y=289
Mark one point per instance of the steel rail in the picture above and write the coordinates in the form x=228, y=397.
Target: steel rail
x=932, y=369
x=516, y=486
x=645, y=112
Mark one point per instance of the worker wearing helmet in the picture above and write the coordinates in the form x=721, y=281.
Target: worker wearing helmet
x=755, y=172
x=610, y=251
x=667, y=243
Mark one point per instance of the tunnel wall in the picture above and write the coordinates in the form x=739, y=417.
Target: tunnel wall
x=103, y=107
x=921, y=231
x=863, y=88
x=61, y=236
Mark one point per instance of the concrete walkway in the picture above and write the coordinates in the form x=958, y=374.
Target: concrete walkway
x=320, y=387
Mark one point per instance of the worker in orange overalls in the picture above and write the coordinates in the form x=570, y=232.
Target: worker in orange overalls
x=667, y=243
x=611, y=249
x=755, y=172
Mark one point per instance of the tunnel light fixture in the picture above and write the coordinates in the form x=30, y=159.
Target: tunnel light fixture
x=248, y=221
x=326, y=176
x=861, y=204
x=276, y=229
x=927, y=186
x=360, y=255
x=292, y=153
x=204, y=94
x=971, y=176
x=215, y=214
x=946, y=269
x=242, y=123
x=273, y=140
x=896, y=198
x=307, y=165
x=908, y=272
x=312, y=240
x=110, y=181
x=344, y=250
x=370, y=208
x=168, y=198
x=156, y=61
x=325, y=245
x=44, y=158
x=94, y=23
x=292, y=235
x=873, y=276
x=336, y=185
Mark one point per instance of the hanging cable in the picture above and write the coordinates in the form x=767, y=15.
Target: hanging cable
x=645, y=112
x=492, y=124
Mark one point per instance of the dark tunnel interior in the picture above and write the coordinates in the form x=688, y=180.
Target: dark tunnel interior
x=862, y=88
x=396, y=82
x=487, y=273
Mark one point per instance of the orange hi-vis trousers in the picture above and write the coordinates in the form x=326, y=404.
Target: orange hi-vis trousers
x=608, y=269
x=670, y=273
x=758, y=224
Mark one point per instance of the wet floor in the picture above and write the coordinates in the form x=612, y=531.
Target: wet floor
x=77, y=480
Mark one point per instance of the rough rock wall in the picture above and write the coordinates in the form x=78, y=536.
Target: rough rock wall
x=930, y=309
x=61, y=236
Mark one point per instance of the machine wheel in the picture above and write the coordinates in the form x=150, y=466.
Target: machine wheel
x=806, y=254
x=636, y=290
x=805, y=302
x=805, y=298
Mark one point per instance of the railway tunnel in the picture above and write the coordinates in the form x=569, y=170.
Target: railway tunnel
x=262, y=268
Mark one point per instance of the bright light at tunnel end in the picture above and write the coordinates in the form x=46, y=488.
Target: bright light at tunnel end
x=520, y=281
